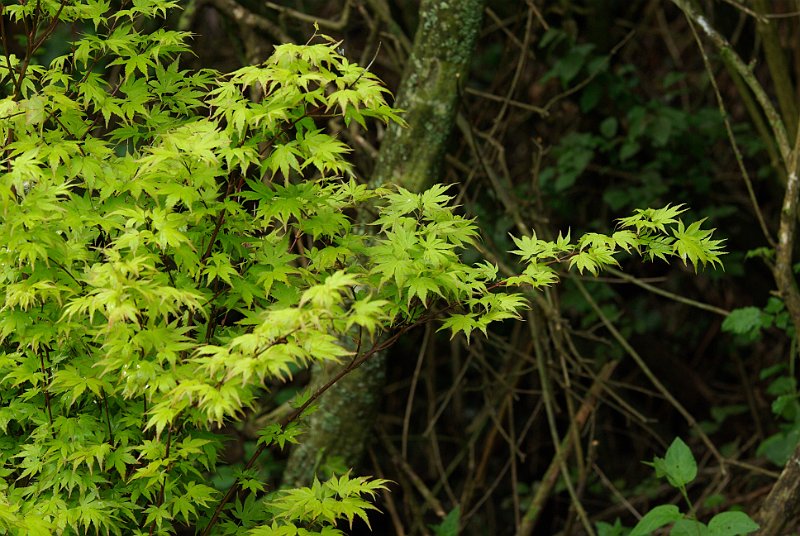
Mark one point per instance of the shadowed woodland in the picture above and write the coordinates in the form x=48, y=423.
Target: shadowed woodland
x=546, y=117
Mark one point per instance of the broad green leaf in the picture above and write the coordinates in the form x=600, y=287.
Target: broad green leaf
x=689, y=527
x=655, y=519
x=731, y=524
x=678, y=465
x=450, y=524
x=742, y=321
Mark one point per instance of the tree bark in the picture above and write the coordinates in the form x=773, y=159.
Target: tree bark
x=781, y=505
x=410, y=157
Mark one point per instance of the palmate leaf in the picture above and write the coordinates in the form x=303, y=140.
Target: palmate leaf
x=286, y=203
x=331, y=291
x=119, y=459
x=327, y=222
x=434, y=200
x=324, y=503
x=596, y=240
x=585, y=261
x=419, y=286
x=694, y=245
x=650, y=219
x=96, y=513
x=324, y=152
x=399, y=203
x=626, y=240
x=368, y=313
x=657, y=247
x=351, y=507
x=659, y=234
x=604, y=256
x=535, y=274
x=182, y=508
x=275, y=434
x=162, y=416
x=284, y=157
x=532, y=248
x=70, y=380
x=460, y=323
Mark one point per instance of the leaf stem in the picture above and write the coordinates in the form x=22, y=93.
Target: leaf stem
x=45, y=390
x=350, y=367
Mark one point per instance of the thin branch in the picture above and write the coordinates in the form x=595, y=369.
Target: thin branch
x=512, y=86
x=744, y=9
x=560, y=459
x=652, y=377
x=550, y=477
x=511, y=102
x=382, y=9
x=160, y=499
x=410, y=401
x=244, y=16
x=729, y=54
x=665, y=293
x=6, y=51
x=729, y=130
x=337, y=24
x=778, y=68
x=585, y=82
x=784, y=275
x=416, y=480
x=34, y=44
x=353, y=365
x=104, y=398
x=45, y=389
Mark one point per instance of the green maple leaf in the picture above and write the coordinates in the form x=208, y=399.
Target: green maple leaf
x=420, y=286
x=694, y=245
x=464, y=323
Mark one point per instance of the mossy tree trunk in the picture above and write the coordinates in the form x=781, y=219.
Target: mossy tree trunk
x=410, y=157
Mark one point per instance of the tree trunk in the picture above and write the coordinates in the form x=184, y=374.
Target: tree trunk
x=781, y=505
x=410, y=157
